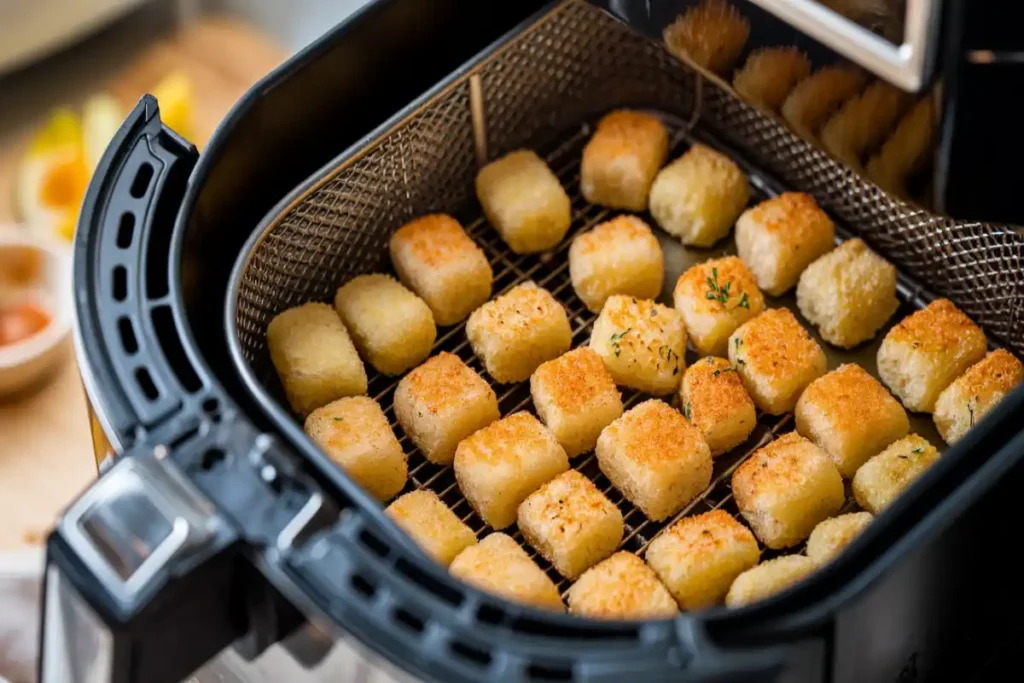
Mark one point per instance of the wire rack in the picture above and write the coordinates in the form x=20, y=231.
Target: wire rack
x=551, y=271
x=573, y=64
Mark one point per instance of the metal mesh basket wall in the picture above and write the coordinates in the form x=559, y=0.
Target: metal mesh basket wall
x=574, y=63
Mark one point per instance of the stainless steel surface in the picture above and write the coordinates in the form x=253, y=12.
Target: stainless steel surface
x=79, y=648
x=907, y=65
x=134, y=521
x=345, y=664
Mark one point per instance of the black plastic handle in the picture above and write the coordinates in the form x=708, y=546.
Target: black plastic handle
x=159, y=619
x=160, y=575
x=409, y=612
x=135, y=371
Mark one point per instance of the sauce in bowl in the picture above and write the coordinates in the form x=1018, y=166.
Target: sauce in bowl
x=21, y=321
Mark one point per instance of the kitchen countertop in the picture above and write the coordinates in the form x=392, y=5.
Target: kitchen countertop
x=46, y=456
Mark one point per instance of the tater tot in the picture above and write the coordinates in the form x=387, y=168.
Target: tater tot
x=392, y=327
x=435, y=258
x=314, y=357
x=926, y=351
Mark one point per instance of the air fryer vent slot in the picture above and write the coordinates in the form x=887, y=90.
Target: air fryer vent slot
x=142, y=179
x=538, y=672
x=119, y=283
x=471, y=654
x=409, y=620
x=126, y=230
x=374, y=544
x=436, y=588
x=363, y=586
x=145, y=381
x=128, y=341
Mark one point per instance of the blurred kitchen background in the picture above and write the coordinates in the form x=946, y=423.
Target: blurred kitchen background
x=60, y=57
x=70, y=70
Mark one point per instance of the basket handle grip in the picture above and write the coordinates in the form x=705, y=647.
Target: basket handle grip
x=412, y=614
x=122, y=272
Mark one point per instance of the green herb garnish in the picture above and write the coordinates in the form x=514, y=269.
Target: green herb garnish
x=744, y=302
x=339, y=419
x=716, y=292
x=918, y=450
x=687, y=410
x=616, y=338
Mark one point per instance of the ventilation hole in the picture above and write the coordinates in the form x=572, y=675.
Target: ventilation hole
x=184, y=438
x=410, y=621
x=126, y=230
x=210, y=405
x=145, y=382
x=439, y=590
x=374, y=544
x=120, y=284
x=128, y=341
x=489, y=614
x=141, y=182
x=170, y=343
x=211, y=459
x=362, y=585
x=473, y=654
x=537, y=672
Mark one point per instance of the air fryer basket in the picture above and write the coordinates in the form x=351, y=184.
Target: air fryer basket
x=573, y=64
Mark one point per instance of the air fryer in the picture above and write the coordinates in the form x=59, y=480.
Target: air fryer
x=217, y=524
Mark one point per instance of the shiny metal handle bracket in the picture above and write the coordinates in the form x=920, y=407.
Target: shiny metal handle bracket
x=908, y=66
x=119, y=544
x=135, y=521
